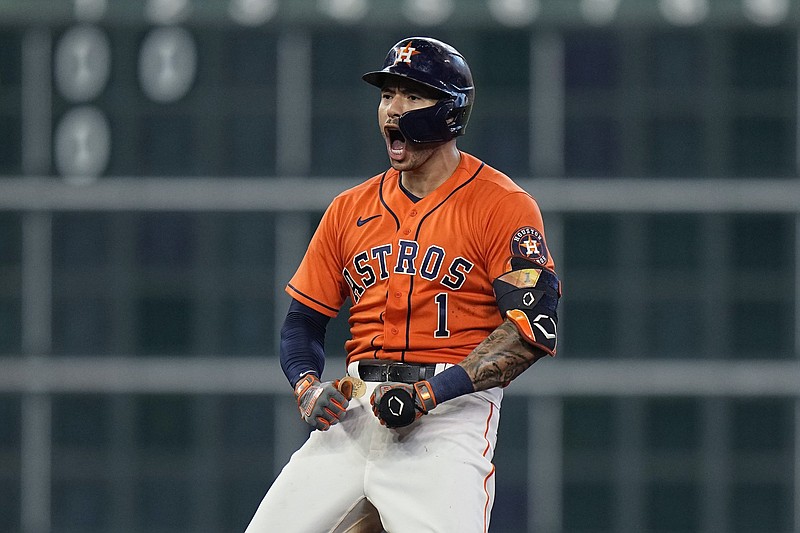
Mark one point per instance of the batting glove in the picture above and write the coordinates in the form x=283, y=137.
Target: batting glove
x=321, y=404
x=399, y=404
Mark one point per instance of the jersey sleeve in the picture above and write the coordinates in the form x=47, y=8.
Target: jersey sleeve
x=516, y=229
x=318, y=281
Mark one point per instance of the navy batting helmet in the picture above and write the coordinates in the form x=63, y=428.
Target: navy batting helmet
x=437, y=65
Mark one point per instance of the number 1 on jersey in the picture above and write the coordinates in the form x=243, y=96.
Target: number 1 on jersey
x=441, y=330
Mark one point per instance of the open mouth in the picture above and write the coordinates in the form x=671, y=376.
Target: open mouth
x=396, y=143
x=395, y=137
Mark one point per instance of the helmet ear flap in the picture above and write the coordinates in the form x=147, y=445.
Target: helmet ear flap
x=456, y=120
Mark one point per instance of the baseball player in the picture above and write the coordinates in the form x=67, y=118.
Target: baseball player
x=452, y=295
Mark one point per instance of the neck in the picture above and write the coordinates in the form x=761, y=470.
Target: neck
x=426, y=178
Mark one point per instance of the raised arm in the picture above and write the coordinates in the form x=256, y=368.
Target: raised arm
x=527, y=296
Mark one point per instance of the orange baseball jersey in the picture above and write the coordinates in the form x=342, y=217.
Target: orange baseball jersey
x=419, y=274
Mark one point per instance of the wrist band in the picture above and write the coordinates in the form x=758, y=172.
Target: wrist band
x=451, y=383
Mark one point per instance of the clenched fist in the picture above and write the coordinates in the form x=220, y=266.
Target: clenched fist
x=398, y=404
x=321, y=404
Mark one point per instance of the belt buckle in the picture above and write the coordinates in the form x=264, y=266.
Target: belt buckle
x=393, y=372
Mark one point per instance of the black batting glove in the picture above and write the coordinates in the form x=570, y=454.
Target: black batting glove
x=399, y=404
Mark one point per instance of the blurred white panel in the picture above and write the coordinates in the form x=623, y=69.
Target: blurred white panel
x=82, y=63
x=167, y=64
x=252, y=12
x=514, y=13
x=82, y=144
x=599, y=12
x=684, y=12
x=344, y=10
x=766, y=12
x=90, y=10
x=428, y=12
x=167, y=11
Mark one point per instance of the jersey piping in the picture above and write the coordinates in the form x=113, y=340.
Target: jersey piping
x=416, y=236
x=295, y=289
x=384, y=203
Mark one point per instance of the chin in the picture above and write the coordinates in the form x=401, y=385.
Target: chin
x=400, y=165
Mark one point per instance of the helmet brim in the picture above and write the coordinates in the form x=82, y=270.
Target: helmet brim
x=375, y=78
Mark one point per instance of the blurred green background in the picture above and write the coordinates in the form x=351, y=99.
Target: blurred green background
x=163, y=164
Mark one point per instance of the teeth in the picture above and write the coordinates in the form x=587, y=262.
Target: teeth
x=396, y=144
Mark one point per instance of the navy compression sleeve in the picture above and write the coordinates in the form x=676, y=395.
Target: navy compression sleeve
x=303, y=342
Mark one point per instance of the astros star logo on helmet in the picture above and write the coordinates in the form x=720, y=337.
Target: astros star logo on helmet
x=405, y=54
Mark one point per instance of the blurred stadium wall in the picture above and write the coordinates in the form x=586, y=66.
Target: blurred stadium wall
x=164, y=163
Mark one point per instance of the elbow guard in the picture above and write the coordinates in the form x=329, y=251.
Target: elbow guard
x=528, y=296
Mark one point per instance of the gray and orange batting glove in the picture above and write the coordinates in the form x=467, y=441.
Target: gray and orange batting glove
x=321, y=404
x=398, y=404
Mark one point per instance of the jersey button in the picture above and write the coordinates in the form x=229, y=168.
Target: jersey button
x=413, y=212
x=394, y=331
x=406, y=232
x=398, y=294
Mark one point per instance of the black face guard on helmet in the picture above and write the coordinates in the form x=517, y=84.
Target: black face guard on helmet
x=432, y=124
x=441, y=67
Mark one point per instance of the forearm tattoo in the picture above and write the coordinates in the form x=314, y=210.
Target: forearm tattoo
x=500, y=358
